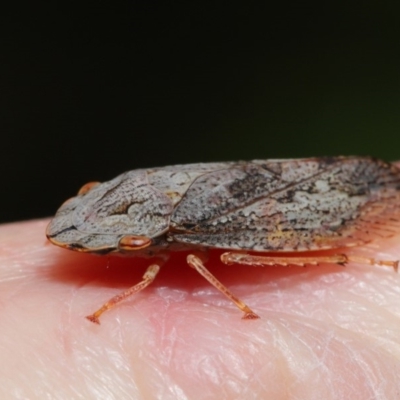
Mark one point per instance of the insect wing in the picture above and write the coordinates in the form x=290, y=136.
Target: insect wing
x=288, y=205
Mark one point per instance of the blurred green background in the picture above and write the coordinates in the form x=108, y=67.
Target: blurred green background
x=87, y=93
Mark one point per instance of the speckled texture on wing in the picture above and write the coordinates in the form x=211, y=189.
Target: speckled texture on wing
x=175, y=180
x=290, y=205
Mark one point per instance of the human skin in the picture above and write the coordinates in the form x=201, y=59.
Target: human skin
x=325, y=331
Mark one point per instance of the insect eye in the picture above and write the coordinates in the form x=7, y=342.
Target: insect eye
x=87, y=187
x=131, y=242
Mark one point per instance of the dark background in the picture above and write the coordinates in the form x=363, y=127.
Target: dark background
x=86, y=94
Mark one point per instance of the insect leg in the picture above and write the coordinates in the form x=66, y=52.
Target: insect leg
x=373, y=261
x=198, y=265
x=260, y=261
x=148, y=278
x=341, y=259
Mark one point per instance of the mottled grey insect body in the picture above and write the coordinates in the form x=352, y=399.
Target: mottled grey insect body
x=261, y=205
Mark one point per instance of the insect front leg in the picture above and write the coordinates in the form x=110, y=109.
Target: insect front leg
x=148, y=278
x=196, y=263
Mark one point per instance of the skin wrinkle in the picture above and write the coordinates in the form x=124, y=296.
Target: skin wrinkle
x=370, y=385
x=252, y=373
x=289, y=356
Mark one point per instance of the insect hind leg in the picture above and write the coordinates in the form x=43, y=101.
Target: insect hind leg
x=196, y=263
x=261, y=261
x=340, y=259
x=373, y=261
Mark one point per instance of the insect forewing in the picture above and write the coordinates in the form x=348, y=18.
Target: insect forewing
x=288, y=205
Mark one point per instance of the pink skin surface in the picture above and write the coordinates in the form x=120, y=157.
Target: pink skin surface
x=325, y=332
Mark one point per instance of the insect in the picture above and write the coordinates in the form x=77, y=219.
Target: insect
x=248, y=208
